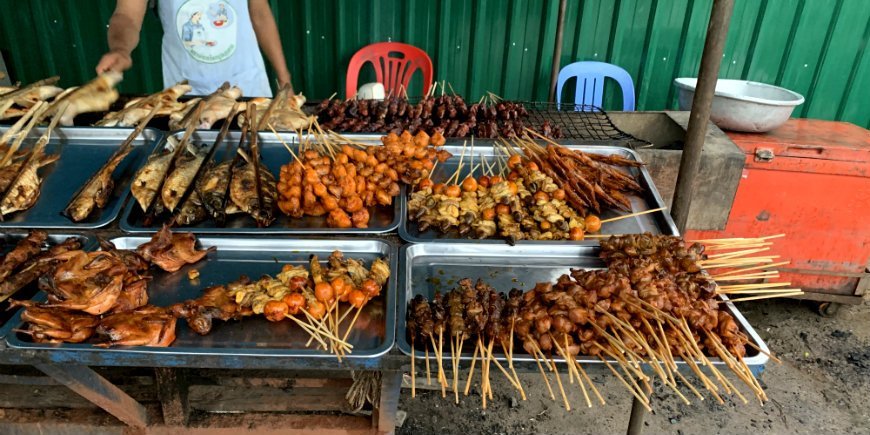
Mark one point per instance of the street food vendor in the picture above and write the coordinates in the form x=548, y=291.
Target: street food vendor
x=206, y=42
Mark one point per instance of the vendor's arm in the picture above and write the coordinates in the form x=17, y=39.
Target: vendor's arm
x=124, y=28
x=267, y=36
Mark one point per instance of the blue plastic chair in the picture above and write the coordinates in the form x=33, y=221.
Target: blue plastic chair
x=590, y=83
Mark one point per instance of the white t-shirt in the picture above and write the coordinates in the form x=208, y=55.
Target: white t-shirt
x=209, y=42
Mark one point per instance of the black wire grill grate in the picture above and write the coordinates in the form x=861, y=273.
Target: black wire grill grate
x=580, y=122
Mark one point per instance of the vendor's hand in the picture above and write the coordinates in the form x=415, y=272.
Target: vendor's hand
x=114, y=61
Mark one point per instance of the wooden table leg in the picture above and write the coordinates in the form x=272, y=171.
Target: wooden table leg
x=172, y=389
x=385, y=413
x=98, y=391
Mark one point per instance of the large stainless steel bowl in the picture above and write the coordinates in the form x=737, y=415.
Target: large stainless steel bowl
x=742, y=105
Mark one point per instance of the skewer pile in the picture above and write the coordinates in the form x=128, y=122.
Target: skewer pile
x=653, y=306
x=310, y=296
x=527, y=193
x=449, y=115
x=344, y=182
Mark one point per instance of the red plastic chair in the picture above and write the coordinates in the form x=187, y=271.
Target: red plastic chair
x=393, y=72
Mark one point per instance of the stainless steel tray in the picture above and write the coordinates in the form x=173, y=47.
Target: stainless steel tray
x=427, y=267
x=255, y=335
x=659, y=222
x=383, y=219
x=83, y=150
x=7, y=242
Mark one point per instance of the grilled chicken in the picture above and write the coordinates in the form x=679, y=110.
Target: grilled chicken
x=137, y=109
x=146, y=326
x=171, y=252
x=215, y=303
x=176, y=118
x=94, y=96
x=85, y=281
x=218, y=107
x=286, y=115
x=56, y=325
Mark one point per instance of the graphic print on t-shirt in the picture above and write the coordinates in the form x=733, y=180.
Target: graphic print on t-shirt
x=207, y=29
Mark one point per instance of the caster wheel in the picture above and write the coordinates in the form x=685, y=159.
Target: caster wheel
x=828, y=309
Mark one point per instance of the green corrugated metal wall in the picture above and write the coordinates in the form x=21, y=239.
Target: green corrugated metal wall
x=814, y=47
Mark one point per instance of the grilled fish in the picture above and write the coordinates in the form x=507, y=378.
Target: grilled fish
x=212, y=189
x=95, y=192
x=243, y=192
x=25, y=188
x=148, y=178
x=182, y=176
x=192, y=211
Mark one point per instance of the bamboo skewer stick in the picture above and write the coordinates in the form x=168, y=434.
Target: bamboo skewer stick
x=740, y=246
x=439, y=359
x=773, y=274
x=428, y=377
x=413, y=373
x=641, y=398
x=614, y=219
x=555, y=370
x=543, y=374
x=471, y=370
x=769, y=354
x=308, y=329
x=571, y=367
x=461, y=340
x=510, y=355
x=591, y=384
x=725, y=255
x=761, y=285
x=488, y=361
x=739, y=271
x=453, y=365
x=754, y=298
x=750, y=291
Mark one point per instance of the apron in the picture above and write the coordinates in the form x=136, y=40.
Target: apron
x=208, y=42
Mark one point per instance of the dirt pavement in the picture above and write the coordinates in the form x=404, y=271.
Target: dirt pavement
x=822, y=386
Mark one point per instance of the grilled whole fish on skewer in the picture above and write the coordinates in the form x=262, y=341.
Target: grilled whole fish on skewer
x=182, y=175
x=192, y=209
x=253, y=188
x=24, y=190
x=95, y=192
x=149, y=179
x=214, y=185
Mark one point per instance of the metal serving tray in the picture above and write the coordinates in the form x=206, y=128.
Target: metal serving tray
x=7, y=242
x=373, y=335
x=274, y=155
x=427, y=267
x=83, y=150
x=659, y=222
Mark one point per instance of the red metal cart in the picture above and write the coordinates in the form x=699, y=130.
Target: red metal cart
x=809, y=179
